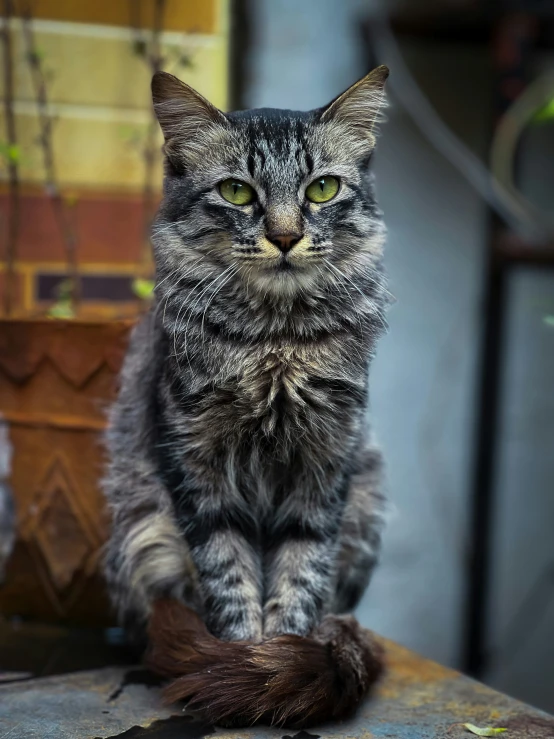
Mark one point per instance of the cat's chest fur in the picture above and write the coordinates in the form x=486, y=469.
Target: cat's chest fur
x=277, y=377
x=276, y=395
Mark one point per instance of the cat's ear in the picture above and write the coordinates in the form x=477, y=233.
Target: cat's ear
x=360, y=105
x=186, y=118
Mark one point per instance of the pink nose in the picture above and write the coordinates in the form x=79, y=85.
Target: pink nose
x=285, y=241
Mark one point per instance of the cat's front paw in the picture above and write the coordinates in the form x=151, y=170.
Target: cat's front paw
x=280, y=618
x=249, y=630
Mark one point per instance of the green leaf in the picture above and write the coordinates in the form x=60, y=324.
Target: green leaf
x=14, y=153
x=36, y=56
x=139, y=47
x=549, y=321
x=185, y=61
x=143, y=289
x=64, y=291
x=546, y=113
x=488, y=731
x=62, y=309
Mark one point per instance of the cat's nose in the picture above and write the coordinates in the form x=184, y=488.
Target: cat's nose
x=284, y=241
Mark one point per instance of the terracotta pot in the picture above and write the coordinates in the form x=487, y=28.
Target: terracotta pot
x=57, y=379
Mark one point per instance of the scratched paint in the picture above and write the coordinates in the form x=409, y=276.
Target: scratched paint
x=135, y=677
x=417, y=700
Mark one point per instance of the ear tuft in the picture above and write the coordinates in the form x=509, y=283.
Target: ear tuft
x=181, y=111
x=360, y=105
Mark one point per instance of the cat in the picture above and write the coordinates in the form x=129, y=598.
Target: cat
x=243, y=481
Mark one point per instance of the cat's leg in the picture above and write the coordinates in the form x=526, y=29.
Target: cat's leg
x=360, y=536
x=301, y=556
x=146, y=555
x=223, y=538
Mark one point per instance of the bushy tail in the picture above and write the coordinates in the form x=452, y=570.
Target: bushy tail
x=287, y=680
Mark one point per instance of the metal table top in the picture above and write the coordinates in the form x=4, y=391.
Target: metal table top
x=418, y=699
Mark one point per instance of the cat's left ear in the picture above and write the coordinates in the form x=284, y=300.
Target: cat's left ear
x=359, y=106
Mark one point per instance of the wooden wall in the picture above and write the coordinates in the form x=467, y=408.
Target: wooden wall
x=99, y=93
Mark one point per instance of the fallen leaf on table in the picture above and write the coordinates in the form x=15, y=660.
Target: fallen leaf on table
x=487, y=731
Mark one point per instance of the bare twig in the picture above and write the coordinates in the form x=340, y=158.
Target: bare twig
x=156, y=59
x=60, y=207
x=12, y=230
x=152, y=54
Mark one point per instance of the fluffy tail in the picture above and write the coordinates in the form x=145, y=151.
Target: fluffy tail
x=287, y=680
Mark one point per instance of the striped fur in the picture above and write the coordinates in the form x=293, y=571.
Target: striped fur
x=242, y=480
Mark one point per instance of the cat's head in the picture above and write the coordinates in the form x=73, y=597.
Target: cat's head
x=279, y=199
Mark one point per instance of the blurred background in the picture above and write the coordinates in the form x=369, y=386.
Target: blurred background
x=463, y=384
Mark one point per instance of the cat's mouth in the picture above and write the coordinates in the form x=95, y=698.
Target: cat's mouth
x=284, y=265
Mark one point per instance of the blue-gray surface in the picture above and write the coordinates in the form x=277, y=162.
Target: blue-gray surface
x=417, y=700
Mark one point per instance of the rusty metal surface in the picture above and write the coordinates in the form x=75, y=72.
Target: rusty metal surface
x=76, y=705
x=418, y=700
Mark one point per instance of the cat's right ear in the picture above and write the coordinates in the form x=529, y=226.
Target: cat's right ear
x=188, y=121
x=359, y=107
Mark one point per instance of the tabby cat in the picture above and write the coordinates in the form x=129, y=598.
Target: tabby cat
x=243, y=482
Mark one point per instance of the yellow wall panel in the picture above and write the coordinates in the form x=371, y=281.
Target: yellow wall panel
x=91, y=153
x=195, y=16
x=99, y=93
x=97, y=70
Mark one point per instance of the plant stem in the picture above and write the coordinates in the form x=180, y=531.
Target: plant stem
x=13, y=170
x=61, y=210
x=153, y=57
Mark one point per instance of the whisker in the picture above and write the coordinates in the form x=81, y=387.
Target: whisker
x=176, y=327
x=210, y=301
x=370, y=303
x=156, y=230
x=354, y=308
x=190, y=313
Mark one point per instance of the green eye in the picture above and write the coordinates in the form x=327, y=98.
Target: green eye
x=322, y=189
x=236, y=192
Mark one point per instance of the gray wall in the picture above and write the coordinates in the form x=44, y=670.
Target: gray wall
x=521, y=627
x=423, y=378
x=522, y=603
